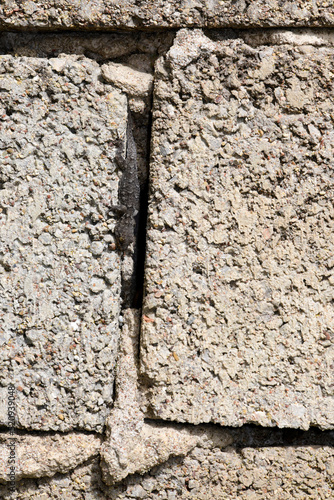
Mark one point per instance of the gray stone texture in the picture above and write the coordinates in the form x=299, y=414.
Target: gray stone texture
x=237, y=323
x=238, y=312
x=242, y=474
x=136, y=14
x=46, y=455
x=132, y=444
x=82, y=483
x=209, y=472
x=137, y=52
x=60, y=282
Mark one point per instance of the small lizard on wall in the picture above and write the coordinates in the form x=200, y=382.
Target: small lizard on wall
x=128, y=193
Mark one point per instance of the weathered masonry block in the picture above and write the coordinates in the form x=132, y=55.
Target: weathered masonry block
x=134, y=14
x=65, y=134
x=238, y=314
x=59, y=274
x=213, y=470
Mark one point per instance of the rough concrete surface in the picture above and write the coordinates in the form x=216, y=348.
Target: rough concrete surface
x=243, y=474
x=95, y=45
x=61, y=128
x=133, y=445
x=46, y=455
x=237, y=320
x=238, y=312
x=136, y=14
x=247, y=473
x=138, y=448
x=135, y=82
x=137, y=52
x=83, y=483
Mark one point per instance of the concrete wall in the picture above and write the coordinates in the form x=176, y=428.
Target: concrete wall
x=166, y=250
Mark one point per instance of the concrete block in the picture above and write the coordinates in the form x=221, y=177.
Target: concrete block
x=45, y=455
x=60, y=271
x=238, y=310
x=134, y=445
x=82, y=482
x=130, y=14
x=254, y=468
x=239, y=474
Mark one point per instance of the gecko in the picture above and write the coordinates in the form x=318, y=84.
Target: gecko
x=128, y=192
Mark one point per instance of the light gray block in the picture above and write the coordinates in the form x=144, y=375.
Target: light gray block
x=132, y=14
x=45, y=455
x=60, y=276
x=238, y=314
x=238, y=471
x=292, y=472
